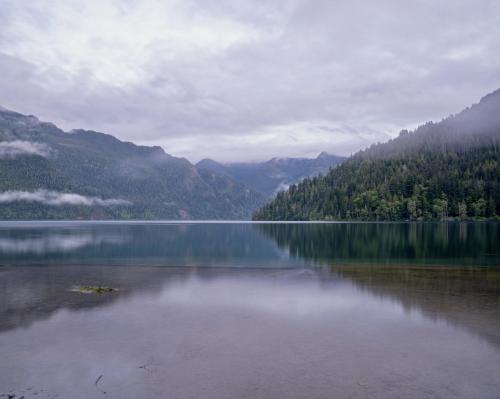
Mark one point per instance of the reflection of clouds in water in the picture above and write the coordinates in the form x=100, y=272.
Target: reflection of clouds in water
x=296, y=299
x=56, y=243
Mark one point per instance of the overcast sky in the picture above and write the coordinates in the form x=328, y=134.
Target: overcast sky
x=247, y=80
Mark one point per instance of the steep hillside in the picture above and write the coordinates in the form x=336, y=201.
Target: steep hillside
x=276, y=174
x=444, y=170
x=48, y=173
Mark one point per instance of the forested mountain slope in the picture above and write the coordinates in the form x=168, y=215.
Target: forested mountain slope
x=276, y=174
x=47, y=173
x=440, y=171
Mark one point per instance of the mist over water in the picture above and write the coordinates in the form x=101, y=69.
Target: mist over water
x=250, y=310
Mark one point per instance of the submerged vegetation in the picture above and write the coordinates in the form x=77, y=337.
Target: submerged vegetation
x=93, y=289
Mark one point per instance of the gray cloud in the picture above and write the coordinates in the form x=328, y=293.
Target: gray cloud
x=16, y=148
x=234, y=79
x=56, y=198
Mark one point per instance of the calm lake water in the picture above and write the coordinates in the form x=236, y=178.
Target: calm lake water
x=234, y=310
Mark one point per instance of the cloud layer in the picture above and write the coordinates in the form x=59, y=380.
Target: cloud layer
x=56, y=198
x=13, y=149
x=239, y=80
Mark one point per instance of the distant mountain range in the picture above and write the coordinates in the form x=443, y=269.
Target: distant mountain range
x=440, y=171
x=46, y=173
x=277, y=174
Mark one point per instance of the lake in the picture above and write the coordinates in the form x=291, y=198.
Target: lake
x=250, y=310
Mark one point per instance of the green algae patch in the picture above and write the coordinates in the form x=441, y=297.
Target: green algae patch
x=93, y=289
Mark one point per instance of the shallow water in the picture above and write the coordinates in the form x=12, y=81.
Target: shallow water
x=250, y=310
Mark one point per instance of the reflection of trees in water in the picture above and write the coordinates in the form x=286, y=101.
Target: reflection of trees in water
x=466, y=296
x=465, y=243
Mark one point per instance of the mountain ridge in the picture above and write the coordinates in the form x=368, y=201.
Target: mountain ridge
x=38, y=158
x=269, y=177
x=439, y=171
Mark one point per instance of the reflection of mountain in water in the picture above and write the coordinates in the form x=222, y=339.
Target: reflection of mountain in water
x=144, y=244
x=91, y=254
x=366, y=254
x=31, y=293
x=466, y=297
x=422, y=243
x=387, y=260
